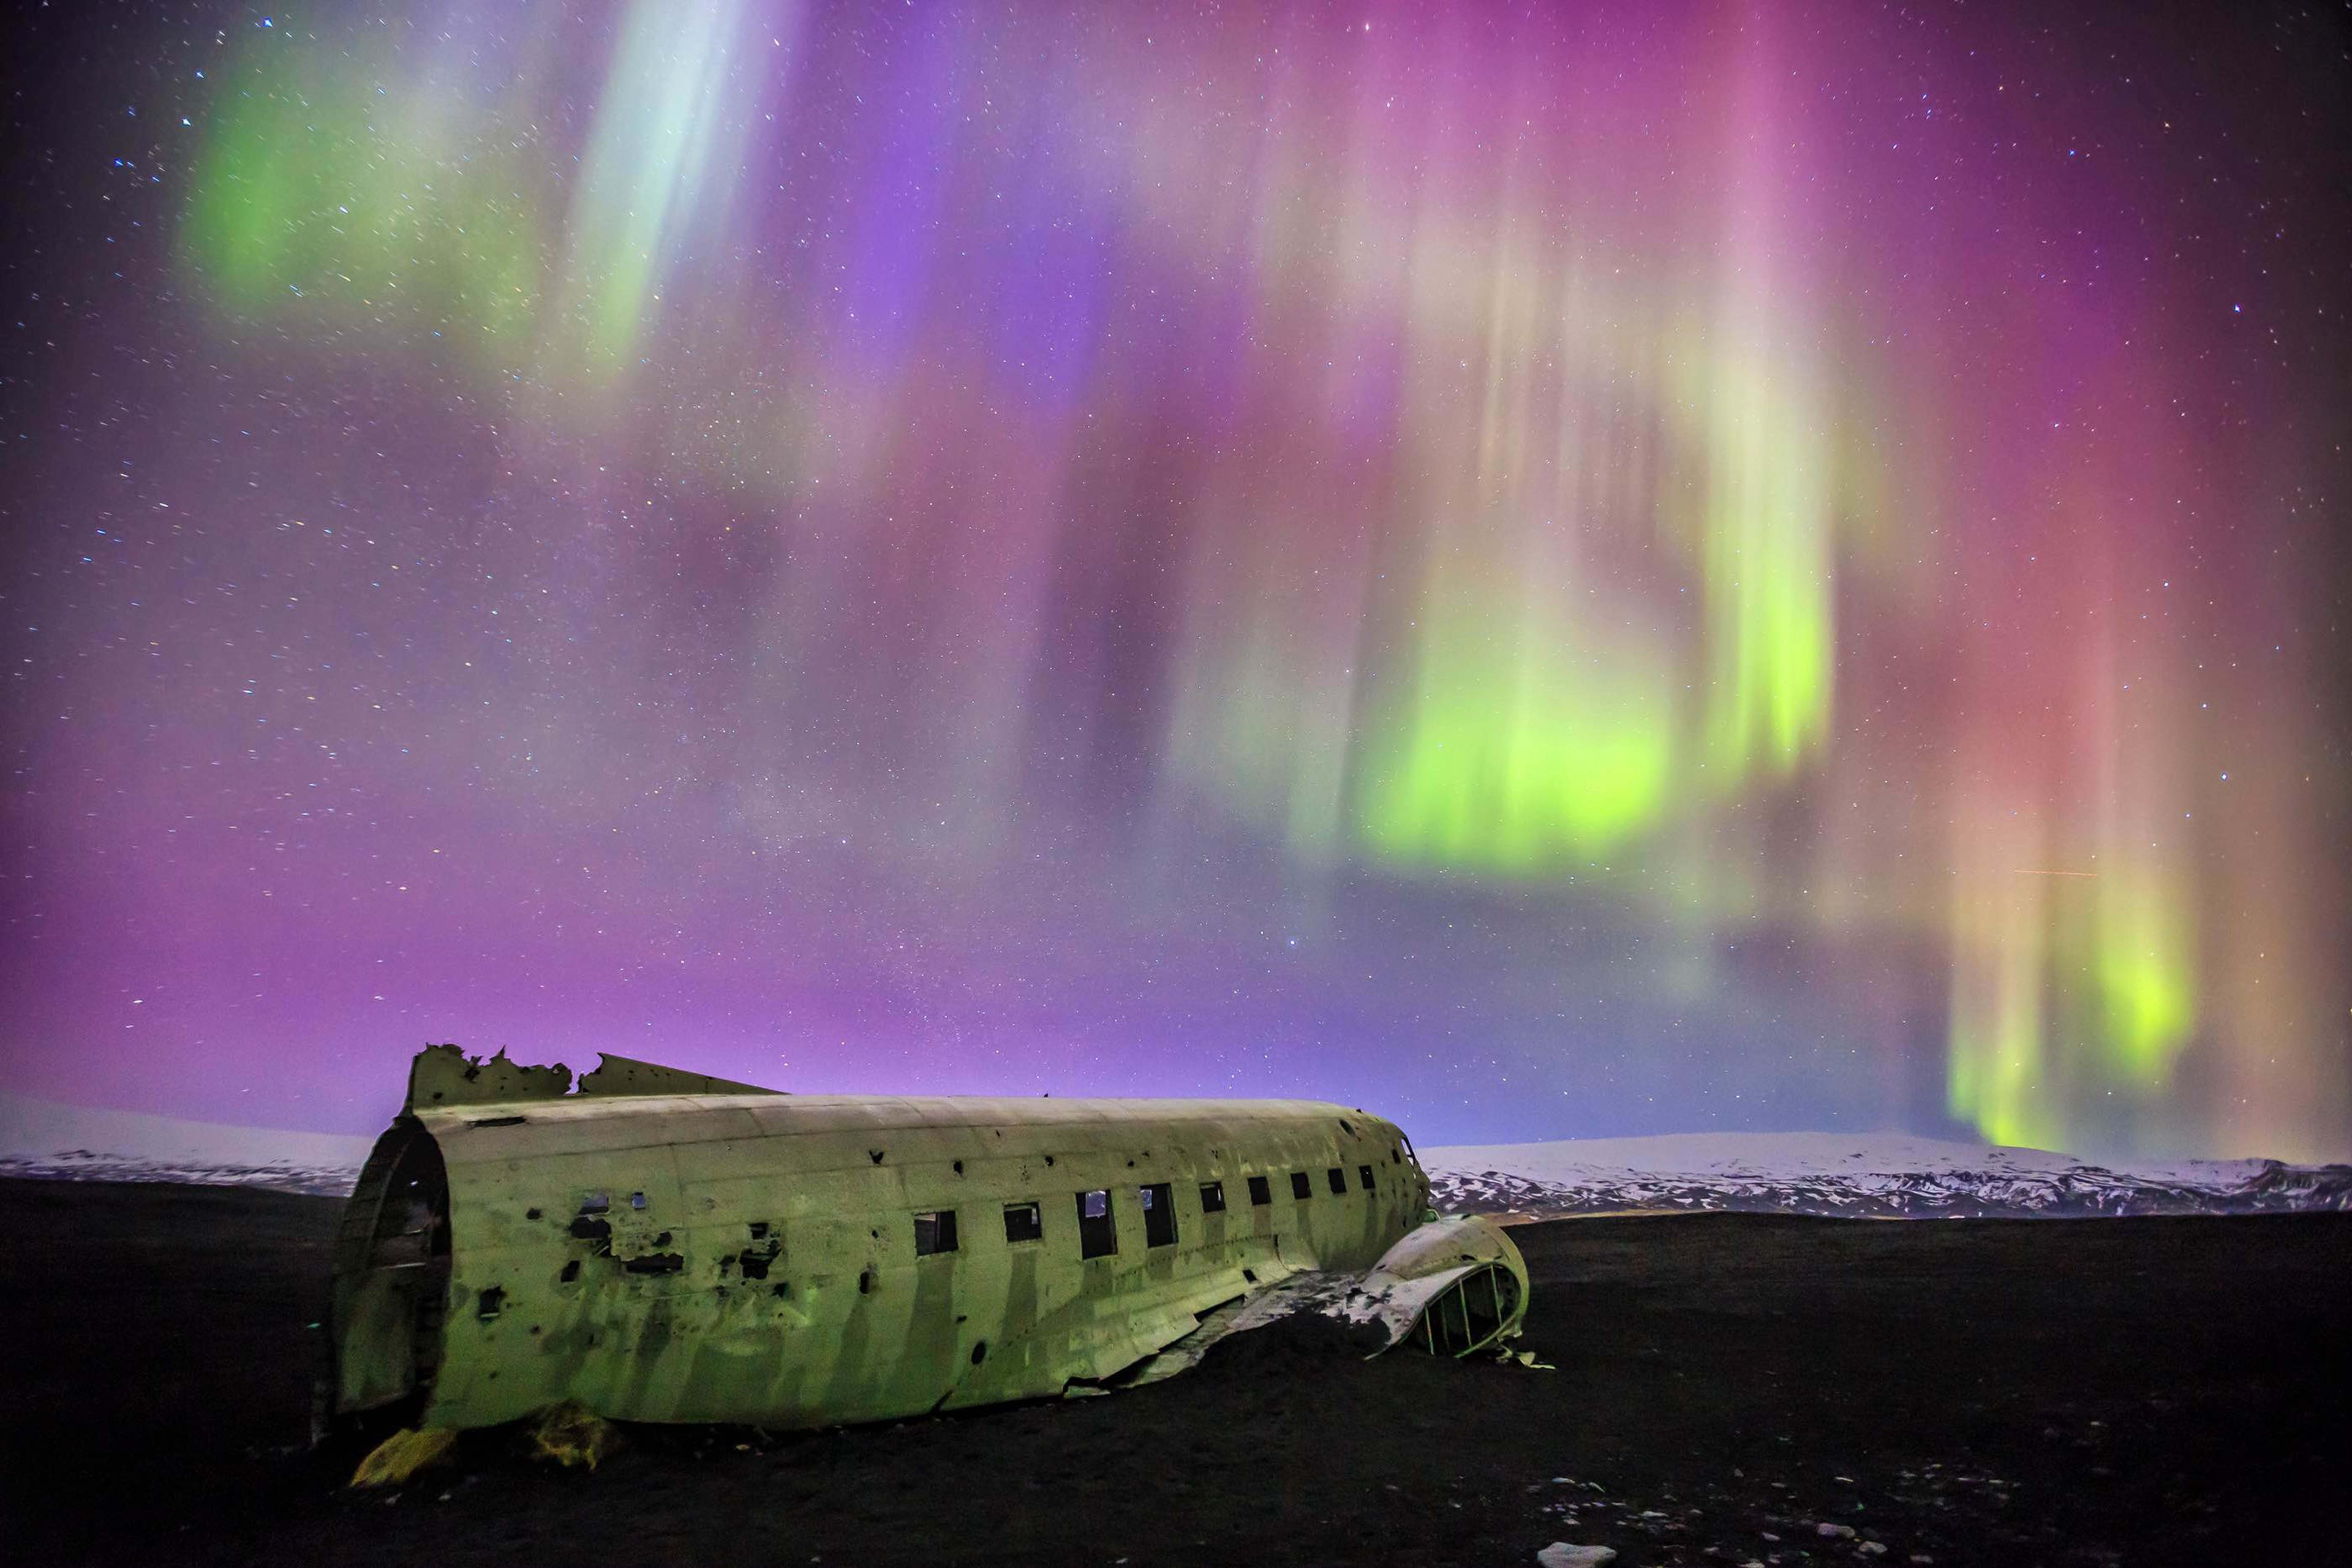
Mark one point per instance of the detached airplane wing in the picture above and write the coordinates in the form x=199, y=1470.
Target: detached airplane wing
x=657, y=1245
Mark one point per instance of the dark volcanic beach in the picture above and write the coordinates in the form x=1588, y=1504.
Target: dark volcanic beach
x=2060, y=1392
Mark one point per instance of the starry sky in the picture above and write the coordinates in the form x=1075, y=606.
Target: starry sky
x=1546, y=570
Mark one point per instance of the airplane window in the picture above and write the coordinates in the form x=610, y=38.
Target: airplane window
x=1300, y=1188
x=1212, y=1197
x=935, y=1232
x=1025, y=1222
x=1339, y=1179
x=1159, y=1214
x=1261, y=1190
x=1364, y=1175
x=1097, y=1231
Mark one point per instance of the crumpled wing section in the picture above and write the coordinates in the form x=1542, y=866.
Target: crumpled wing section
x=1450, y=1287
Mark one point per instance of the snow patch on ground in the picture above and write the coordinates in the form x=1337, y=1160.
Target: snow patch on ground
x=1873, y=1175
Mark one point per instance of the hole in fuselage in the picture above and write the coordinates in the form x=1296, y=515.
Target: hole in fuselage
x=654, y=1263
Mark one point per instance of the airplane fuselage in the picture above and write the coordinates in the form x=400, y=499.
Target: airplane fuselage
x=791, y=1260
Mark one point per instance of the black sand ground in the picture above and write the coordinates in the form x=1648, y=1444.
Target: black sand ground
x=2091, y=1392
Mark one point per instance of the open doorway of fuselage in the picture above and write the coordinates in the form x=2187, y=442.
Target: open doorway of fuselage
x=391, y=1280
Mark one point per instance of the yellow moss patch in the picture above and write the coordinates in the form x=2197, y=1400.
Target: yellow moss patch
x=571, y=1433
x=402, y=1454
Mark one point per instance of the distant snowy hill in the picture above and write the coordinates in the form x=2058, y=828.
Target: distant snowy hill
x=38, y=1138
x=1874, y=1175
x=1871, y=1175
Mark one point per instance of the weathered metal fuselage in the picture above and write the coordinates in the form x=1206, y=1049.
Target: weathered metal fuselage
x=802, y=1260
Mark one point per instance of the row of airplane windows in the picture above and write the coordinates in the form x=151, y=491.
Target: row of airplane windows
x=935, y=1230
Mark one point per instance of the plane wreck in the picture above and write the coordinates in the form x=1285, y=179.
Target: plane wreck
x=662, y=1247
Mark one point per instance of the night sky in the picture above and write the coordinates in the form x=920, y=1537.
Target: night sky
x=1547, y=571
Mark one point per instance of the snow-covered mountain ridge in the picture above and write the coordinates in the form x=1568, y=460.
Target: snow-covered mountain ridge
x=69, y=1142
x=1863, y=1175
